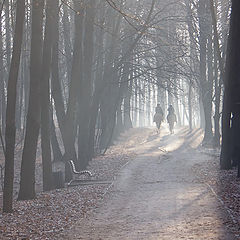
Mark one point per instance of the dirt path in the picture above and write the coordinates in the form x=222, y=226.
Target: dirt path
x=157, y=196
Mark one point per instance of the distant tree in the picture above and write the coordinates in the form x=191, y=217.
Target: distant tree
x=205, y=35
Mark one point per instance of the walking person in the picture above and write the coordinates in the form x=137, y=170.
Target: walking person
x=171, y=118
x=158, y=117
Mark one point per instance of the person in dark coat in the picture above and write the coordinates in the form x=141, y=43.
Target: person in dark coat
x=171, y=118
x=158, y=116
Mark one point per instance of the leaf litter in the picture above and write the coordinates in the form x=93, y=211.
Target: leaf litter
x=224, y=184
x=54, y=212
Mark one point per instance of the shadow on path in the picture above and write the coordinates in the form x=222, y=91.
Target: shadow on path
x=157, y=196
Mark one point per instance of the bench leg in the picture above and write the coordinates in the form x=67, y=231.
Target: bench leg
x=70, y=182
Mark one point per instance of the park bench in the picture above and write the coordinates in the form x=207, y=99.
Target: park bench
x=75, y=173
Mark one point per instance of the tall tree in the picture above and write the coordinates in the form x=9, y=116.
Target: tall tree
x=51, y=15
x=205, y=83
x=230, y=127
x=27, y=177
x=69, y=126
x=85, y=98
x=11, y=105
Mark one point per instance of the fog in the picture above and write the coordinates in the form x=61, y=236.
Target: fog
x=80, y=77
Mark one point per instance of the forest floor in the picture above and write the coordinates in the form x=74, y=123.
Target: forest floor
x=159, y=187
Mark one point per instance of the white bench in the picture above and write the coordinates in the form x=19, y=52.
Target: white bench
x=76, y=174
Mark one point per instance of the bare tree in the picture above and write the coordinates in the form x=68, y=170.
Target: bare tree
x=11, y=105
x=27, y=181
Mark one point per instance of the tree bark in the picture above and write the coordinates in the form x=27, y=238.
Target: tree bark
x=51, y=14
x=57, y=154
x=27, y=177
x=56, y=88
x=231, y=92
x=204, y=84
x=11, y=105
x=216, y=137
x=85, y=98
x=69, y=126
x=190, y=105
x=2, y=85
x=127, y=107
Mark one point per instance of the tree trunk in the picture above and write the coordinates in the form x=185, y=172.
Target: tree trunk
x=127, y=107
x=69, y=126
x=86, y=86
x=136, y=102
x=57, y=154
x=207, y=99
x=51, y=14
x=8, y=36
x=2, y=85
x=67, y=41
x=231, y=90
x=94, y=109
x=11, y=105
x=27, y=177
x=119, y=120
x=56, y=88
x=190, y=105
x=205, y=85
x=216, y=137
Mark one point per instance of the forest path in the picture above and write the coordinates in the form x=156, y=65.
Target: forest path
x=157, y=196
